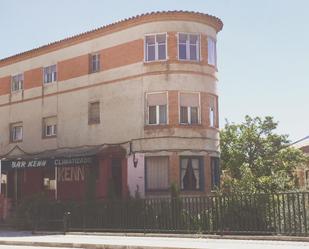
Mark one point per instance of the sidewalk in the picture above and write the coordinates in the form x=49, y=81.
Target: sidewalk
x=140, y=242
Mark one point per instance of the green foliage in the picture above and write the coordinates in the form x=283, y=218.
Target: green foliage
x=175, y=192
x=256, y=159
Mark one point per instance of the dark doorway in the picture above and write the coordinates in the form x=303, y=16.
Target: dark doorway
x=117, y=177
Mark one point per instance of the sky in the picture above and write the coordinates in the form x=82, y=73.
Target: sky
x=263, y=49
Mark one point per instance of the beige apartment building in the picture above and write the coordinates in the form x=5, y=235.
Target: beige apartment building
x=131, y=107
x=302, y=171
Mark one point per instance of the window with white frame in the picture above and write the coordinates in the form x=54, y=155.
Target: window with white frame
x=157, y=108
x=157, y=173
x=188, y=47
x=212, y=111
x=189, y=108
x=95, y=64
x=155, y=47
x=94, y=113
x=50, y=74
x=191, y=176
x=17, y=83
x=50, y=126
x=16, y=132
x=212, y=51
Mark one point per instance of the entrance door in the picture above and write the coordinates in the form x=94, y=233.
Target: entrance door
x=117, y=177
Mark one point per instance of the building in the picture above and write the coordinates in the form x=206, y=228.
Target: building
x=302, y=171
x=131, y=107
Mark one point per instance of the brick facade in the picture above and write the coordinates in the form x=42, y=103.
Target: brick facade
x=120, y=87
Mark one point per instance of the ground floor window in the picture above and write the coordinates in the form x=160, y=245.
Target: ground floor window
x=215, y=172
x=191, y=176
x=157, y=173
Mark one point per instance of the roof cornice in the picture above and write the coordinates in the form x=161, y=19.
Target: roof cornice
x=210, y=20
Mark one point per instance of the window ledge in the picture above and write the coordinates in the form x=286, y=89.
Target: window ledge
x=17, y=92
x=48, y=84
x=16, y=141
x=191, y=125
x=156, y=126
x=190, y=61
x=156, y=62
x=49, y=137
x=94, y=72
x=93, y=123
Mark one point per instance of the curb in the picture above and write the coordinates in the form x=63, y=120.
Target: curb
x=200, y=236
x=109, y=246
x=81, y=245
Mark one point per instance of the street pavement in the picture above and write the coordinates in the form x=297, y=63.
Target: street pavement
x=112, y=241
x=29, y=247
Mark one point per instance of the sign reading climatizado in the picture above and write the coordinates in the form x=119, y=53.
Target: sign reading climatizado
x=40, y=163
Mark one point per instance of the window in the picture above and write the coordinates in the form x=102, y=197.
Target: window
x=155, y=47
x=95, y=63
x=191, y=173
x=17, y=82
x=189, y=108
x=188, y=47
x=215, y=172
x=50, y=74
x=50, y=127
x=16, y=132
x=212, y=51
x=157, y=173
x=94, y=113
x=157, y=108
x=212, y=111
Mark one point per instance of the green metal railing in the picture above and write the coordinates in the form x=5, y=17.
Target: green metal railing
x=280, y=213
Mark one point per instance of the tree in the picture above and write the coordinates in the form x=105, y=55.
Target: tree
x=256, y=159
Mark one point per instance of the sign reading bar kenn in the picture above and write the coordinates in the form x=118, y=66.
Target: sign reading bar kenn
x=39, y=163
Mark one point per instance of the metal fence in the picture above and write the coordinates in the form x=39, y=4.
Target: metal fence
x=280, y=213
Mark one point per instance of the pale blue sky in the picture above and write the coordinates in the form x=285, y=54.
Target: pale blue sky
x=263, y=49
